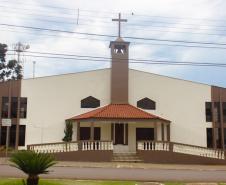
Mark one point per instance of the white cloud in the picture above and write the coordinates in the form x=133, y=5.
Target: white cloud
x=98, y=20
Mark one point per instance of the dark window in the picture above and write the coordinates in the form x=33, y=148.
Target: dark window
x=22, y=135
x=218, y=136
x=224, y=112
x=224, y=137
x=12, y=135
x=209, y=137
x=208, y=112
x=217, y=111
x=85, y=133
x=97, y=133
x=144, y=134
x=5, y=105
x=90, y=102
x=146, y=103
x=23, y=107
x=12, y=138
x=3, y=135
x=14, y=106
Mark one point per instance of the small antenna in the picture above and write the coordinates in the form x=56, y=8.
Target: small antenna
x=77, y=16
x=34, y=62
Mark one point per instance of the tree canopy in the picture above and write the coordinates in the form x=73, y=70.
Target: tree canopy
x=9, y=70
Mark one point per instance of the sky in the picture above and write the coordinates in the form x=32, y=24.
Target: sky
x=193, y=21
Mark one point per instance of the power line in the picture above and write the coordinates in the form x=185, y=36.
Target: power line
x=107, y=59
x=113, y=36
x=112, y=12
x=159, y=22
x=135, y=43
x=93, y=18
x=137, y=25
x=147, y=29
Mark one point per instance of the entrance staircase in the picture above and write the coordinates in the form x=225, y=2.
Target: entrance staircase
x=121, y=153
x=126, y=157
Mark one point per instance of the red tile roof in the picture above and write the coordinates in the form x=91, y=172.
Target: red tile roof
x=117, y=111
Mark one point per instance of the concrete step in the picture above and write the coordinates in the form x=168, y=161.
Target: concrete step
x=126, y=157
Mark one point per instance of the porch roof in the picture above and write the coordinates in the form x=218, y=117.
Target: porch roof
x=117, y=112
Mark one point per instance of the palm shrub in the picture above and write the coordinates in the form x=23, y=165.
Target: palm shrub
x=33, y=164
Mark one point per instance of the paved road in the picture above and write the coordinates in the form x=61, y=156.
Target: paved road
x=124, y=174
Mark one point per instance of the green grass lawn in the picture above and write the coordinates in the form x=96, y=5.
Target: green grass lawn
x=173, y=183
x=66, y=182
x=81, y=182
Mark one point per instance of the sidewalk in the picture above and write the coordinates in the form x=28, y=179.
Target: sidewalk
x=4, y=161
x=141, y=166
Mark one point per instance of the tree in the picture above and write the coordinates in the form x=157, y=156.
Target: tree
x=10, y=70
x=33, y=164
x=68, y=131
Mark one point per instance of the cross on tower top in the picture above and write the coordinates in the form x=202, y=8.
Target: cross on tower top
x=119, y=23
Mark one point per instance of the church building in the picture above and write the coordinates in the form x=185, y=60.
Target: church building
x=117, y=109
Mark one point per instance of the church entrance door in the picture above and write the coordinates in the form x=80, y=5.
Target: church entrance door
x=119, y=133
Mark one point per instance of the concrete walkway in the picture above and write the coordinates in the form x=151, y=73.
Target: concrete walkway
x=146, y=175
x=4, y=161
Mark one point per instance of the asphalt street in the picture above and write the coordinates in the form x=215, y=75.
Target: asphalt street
x=124, y=174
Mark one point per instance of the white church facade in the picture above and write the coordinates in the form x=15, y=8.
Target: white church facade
x=125, y=110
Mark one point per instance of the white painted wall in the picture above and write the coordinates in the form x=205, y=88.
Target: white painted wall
x=51, y=100
x=181, y=102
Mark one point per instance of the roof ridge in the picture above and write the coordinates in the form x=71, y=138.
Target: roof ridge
x=122, y=111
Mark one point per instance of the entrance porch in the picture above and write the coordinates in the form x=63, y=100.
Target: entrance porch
x=124, y=136
x=123, y=125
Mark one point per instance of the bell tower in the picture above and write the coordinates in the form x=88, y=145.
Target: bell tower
x=119, y=67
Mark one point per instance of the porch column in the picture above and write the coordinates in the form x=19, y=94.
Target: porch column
x=155, y=131
x=168, y=132
x=163, y=131
x=78, y=131
x=92, y=131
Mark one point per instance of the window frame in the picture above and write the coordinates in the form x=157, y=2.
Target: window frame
x=146, y=103
x=90, y=102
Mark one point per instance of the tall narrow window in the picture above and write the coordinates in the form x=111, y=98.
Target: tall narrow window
x=217, y=111
x=14, y=105
x=22, y=130
x=23, y=107
x=209, y=137
x=224, y=112
x=5, y=105
x=208, y=112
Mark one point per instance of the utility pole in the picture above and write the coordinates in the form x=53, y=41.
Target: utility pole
x=19, y=48
x=34, y=62
x=9, y=116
